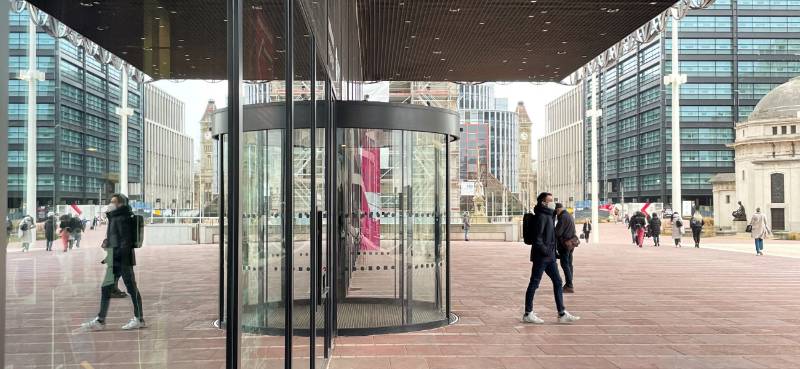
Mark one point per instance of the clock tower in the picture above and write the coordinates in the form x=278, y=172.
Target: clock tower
x=527, y=174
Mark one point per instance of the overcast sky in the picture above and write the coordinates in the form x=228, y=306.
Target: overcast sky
x=195, y=94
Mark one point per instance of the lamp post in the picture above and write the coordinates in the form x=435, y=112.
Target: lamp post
x=32, y=75
x=675, y=79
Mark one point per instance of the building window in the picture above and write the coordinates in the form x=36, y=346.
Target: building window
x=95, y=165
x=16, y=159
x=71, y=183
x=769, y=24
x=698, y=68
x=773, y=69
x=44, y=182
x=45, y=159
x=71, y=70
x=716, y=91
x=706, y=158
x=775, y=130
x=650, y=96
x=794, y=129
x=768, y=4
x=70, y=115
x=96, y=103
x=696, y=181
x=703, y=113
x=769, y=46
x=71, y=160
x=70, y=138
x=776, y=188
x=727, y=199
x=693, y=23
x=702, y=46
x=46, y=135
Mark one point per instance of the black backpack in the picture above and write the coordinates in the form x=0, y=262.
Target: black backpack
x=527, y=229
x=137, y=229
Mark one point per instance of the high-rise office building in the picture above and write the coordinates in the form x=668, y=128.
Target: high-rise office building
x=733, y=54
x=561, y=148
x=168, y=151
x=77, y=123
x=490, y=136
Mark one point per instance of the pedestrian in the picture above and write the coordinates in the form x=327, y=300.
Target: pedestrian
x=76, y=231
x=677, y=229
x=543, y=258
x=9, y=228
x=27, y=232
x=64, y=230
x=465, y=226
x=587, y=230
x=565, y=233
x=50, y=231
x=120, y=260
x=94, y=222
x=696, y=224
x=638, y=224
x=626, y=220
x=759, y=230
x=655, y=229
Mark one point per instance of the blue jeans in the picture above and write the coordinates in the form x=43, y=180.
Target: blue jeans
x=759, y=245
x=551, y=268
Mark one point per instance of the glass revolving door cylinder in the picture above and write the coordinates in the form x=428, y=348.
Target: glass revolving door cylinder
x=388, y=259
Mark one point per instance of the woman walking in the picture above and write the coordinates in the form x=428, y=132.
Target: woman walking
x=50, y=231
x=696, y=223
x=466, y=226
x=677, y=229
x=759, y=230
x=64, y=231
x=655, y=229
x=587, y=229
x=27, y=232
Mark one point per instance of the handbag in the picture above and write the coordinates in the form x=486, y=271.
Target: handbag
x=571, y=243
x=749, y=228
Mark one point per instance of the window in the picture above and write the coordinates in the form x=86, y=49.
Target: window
x=71, y=183
x=769, y=24
x=702, y=46
x=96, y=123
x=71, y=70
x=70, y=138
x=744, y=112
x=611, y=167
x=93, y=64
x=627, y=165
x=45, y=111
x=650, y=160
x=46, y=135
x=627, y=144
x=769, y=46
x=710, y=91
x=17, y=87
x=134, y=135
x=694, y=23
x=17, y=111
x=94, y=184
x=611, y=148
x=16, y=182
x=627, y=85
x=769, y=4
x=775, y=130
x=627, y=125
x=651, y=182
x=96, y=143
x=650, y=139
x=45, y=159
x=727, y=199
x=649, y=117
x=17, y=63
x=71, y=160
x=650, y=74
x=652, y=52
x=697, y=68
x=773, y=69
x=703, y=158
x=696, y=181
x=721, y=4
x=755, y=91
x=627, y=105
x=46, y=88
x=133, y=101
x=70, y=115
x=17, y=40
x=44, y=182
x=627, y=66
x=45, y=63
x=94, y=82
x=628, y=184
x=17, y=159
x=17, y=135
x=95, y=102
x=794, y=129
x=703, y=113
x=95, y=165
x=706, y=136
x=19, y=19
x=650, y=96
x=45, y=41
x=776, y=188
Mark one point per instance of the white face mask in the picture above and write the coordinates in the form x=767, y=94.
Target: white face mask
x=551, y=205
x=112, y=206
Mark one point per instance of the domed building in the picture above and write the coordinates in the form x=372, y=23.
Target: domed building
x=767, y=162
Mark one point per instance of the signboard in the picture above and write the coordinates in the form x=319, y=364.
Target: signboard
x=467, y=188
x=687, y=208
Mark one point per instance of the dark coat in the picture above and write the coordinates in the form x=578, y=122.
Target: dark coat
x=637, y=221
x=565, y=229
x=587, y=227
x=119, y=235
x=655, y=226
x=544, y=240
x=50, y=229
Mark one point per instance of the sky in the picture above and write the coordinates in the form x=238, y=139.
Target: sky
x=195, y=94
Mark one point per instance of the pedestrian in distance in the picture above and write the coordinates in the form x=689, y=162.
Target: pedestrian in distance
x=64, y=231
x=120, y=260
x=626, y=219
x=50, y=231
x=655, y=229
x=465, y=226
x=76, y=231
x=759, y=230
x=587, y=230
x=677, y=229
x=696, y=224
x=543, y=259
x=27, y=232
x=565, y=233
x=638, y=224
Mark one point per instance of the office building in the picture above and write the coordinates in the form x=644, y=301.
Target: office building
x=561, y=150
x=733, y=53
x=78, y=126
x=168, y=151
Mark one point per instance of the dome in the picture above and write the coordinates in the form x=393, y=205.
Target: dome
x=781, y=103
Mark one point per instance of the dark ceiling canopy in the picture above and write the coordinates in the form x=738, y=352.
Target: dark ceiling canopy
x=437, y=40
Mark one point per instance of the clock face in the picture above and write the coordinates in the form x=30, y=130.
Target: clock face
x=208, y=135
x=524, y=136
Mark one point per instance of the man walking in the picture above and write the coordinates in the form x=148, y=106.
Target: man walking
x=543, y=257
x=120, y=259
x=565, y=232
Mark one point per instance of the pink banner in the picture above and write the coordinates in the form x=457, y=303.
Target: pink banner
x=76, y=209
x=370, y=193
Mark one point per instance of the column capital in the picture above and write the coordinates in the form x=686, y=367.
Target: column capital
x=679, y=79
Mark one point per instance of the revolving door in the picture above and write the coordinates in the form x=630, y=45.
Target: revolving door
x=382, y=240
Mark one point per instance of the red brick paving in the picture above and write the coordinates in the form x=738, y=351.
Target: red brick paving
x=641, y=308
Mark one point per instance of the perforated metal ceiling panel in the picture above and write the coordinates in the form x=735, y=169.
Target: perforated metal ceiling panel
x=456, y=40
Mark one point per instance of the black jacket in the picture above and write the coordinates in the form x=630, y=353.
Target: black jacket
x=544, y=240
x=50, y=229
x=119, y=235
x=655, y=226
x=565, y=229
x=637, y=221
x=587, y=227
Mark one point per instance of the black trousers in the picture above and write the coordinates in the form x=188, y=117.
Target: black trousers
x=565, y=259
x=129, y=279
x=696, y=235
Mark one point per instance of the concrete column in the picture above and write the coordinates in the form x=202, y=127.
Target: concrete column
x=32, y=75
x=595, y=115
x=123, y=111
x=675, y=79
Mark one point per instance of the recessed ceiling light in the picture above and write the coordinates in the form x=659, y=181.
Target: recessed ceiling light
x=87, y=4
x=456, y=10
x=481, y=23
x=413, y=36
x=407, y=21
x=562, y=52
x=543, y=12
x=544, y=30
x=442, y=59
x=173, y=12
x=437, y=52
x=530, y=16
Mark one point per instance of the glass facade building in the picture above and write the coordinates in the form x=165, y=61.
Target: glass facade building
x=733, y=53
x=77, y=123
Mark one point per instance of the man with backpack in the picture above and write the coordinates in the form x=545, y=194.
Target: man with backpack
x=76, y=231
x=540, y=232
x=122, y=236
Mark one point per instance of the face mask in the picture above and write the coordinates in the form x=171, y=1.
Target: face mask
x=551, y=205
x=112, y=206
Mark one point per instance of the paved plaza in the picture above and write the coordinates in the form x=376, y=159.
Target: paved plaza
x=714, y=307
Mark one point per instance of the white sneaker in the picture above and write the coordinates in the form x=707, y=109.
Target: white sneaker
x=568, y=318
x=135, y=323
x=93, y=325
x=532, y=318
